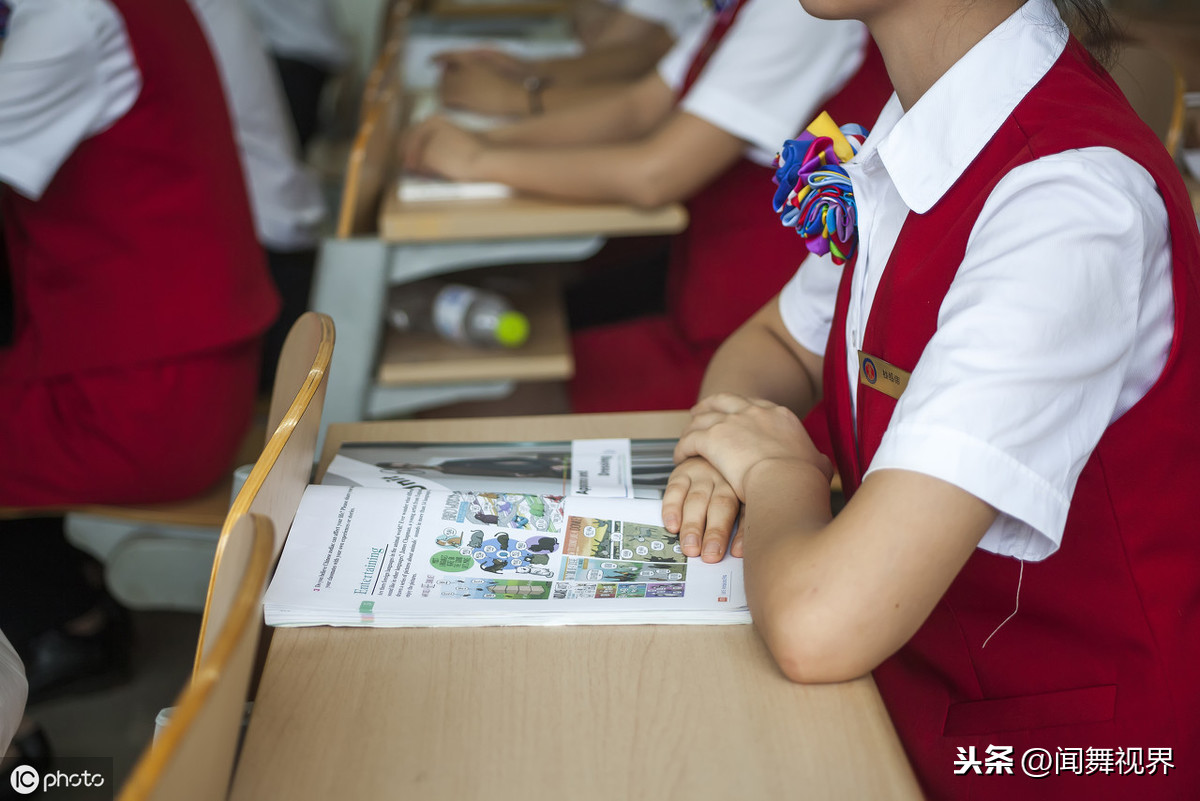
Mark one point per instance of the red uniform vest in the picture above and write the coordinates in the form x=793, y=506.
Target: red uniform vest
x=733, y=257
x=1105, y=648
x=142, y=247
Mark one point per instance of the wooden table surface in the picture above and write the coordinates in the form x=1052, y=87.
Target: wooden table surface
x=686, y=712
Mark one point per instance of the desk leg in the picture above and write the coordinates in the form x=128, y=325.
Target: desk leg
x=351, y=286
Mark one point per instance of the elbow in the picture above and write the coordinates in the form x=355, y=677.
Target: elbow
x=645, y=194
x=811, y=647
x=650, y=185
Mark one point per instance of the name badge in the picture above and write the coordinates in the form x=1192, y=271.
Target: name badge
x=878, y=374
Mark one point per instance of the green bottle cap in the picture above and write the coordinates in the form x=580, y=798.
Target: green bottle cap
x=512, y=329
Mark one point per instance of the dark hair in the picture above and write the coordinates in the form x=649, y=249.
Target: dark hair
x=1091, y=23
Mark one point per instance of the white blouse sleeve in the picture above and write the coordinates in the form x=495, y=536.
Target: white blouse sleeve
x=1058, y=321
x=66, y=73
x=770, y=74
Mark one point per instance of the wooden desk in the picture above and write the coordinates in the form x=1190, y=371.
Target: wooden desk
x=686, y=712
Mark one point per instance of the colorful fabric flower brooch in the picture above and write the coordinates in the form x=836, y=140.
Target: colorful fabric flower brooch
x=814, y=195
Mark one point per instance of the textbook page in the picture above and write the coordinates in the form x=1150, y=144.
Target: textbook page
x=551, y=468
x=363, y=556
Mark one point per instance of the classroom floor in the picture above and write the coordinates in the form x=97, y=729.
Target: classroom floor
x=119, y=722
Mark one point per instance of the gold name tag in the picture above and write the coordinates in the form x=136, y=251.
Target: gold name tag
x=878, y=374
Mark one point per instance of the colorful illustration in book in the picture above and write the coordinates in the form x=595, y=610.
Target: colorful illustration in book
x=614, y=539
x=507, y=510
x=487, y=588
x=504, y=551
x=673, y=590
x=604, y=570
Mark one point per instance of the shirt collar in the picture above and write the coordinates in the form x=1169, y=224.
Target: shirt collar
x=961, y=112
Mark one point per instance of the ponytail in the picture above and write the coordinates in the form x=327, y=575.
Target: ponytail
x=1091, y=23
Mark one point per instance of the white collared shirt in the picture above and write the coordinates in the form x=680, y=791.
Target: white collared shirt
x=770, y=74
x=284, y=196
x=1059, y=318
x=66, y=73
x=678, y=16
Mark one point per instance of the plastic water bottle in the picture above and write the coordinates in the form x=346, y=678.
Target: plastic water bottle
x=459, y=313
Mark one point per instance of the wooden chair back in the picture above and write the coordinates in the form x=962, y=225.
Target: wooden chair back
x=281, y=473
x=193, y=758
x=372, y=156
x=1155, y=89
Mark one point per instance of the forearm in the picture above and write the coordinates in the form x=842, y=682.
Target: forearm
x=617, y=116
x=605, y=173
x=834, y=597
x=621, y=62
x=781, y=549
x=558, y=96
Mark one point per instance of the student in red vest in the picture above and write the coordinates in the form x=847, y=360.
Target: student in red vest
x=703, y=128
x=139, y=293
x=1003, y=358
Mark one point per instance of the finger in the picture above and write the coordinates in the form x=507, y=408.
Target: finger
x=677, y=487
x=702, y=422
x=738, y=548
x=688, y=446
x=452, y=58
x=722, y=513
x=725, y=402
x=414, y=146
x=695, y=517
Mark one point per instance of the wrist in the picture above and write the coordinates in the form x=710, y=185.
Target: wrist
x=534, y=86
x=801, y=478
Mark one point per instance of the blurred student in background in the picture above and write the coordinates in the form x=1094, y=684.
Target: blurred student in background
x=702, y=128
x=622, y=42
x=284, y=196
x=303, y=38
x=140, y=298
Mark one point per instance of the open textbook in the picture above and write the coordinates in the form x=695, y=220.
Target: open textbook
x=400, y=553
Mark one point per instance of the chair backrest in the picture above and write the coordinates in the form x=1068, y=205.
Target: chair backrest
x=1155, y=89
x=370, y=164
x=281, y=473
x=193, y=758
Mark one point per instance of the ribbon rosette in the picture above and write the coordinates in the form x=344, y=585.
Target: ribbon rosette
x=814, y=195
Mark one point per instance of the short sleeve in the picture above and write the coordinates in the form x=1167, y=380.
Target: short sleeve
x=771, y=73
x=677, y=16
x=806, y=302
x=66, y=73
x=1058, y=321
